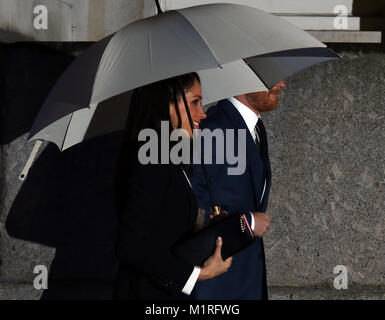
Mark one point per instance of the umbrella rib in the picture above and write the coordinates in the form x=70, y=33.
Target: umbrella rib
x=203, y=38
x=149, y=45
x=65, y=134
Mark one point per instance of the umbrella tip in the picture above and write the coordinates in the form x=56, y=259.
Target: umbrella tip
x=158, y=7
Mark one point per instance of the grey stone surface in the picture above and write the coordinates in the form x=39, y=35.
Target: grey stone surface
x=348, y=36
x=18, y=257
x=18, y=291
x=326, y=142
x=327, y=152
x=25, y=291
x=308, y=293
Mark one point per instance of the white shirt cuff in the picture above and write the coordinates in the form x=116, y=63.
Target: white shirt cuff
x=252, y=221
x=189, y=286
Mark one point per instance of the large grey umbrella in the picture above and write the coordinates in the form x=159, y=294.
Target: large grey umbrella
x=235, y=49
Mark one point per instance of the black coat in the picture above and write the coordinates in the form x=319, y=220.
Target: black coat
x=159, y=209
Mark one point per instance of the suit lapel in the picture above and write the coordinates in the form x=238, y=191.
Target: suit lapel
x=251, y=150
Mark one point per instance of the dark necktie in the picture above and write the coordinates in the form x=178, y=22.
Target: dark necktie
x=261, y=131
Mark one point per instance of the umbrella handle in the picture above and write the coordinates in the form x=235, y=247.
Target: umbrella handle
x=215, y=208
x=29, y=163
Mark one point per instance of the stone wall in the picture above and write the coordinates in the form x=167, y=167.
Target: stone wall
x=70, y=20
x=327, y=151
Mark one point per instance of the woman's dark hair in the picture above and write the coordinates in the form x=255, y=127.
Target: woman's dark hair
x=149, y=106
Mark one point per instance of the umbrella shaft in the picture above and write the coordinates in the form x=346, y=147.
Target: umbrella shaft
x=158, y=6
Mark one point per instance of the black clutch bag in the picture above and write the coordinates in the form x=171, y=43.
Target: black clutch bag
x=234, y=230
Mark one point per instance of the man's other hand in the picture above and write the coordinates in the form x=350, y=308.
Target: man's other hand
x=261, y=223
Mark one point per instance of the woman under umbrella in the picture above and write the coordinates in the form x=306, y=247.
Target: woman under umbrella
x=155, y=203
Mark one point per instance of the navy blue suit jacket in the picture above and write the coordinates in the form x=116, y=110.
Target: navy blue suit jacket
x=246, y=278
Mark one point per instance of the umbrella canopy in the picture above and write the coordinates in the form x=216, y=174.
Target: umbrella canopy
x=235, y=49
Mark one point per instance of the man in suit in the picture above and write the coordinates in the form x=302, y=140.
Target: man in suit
x=247, y=192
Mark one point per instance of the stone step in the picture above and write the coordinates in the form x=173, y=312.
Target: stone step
x=25, y=291
x=322, y=22
x=308, y=293
x=348, y=36
x=273, y=6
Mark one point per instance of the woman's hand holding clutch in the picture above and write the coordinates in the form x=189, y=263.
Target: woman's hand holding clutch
x=215, y=265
